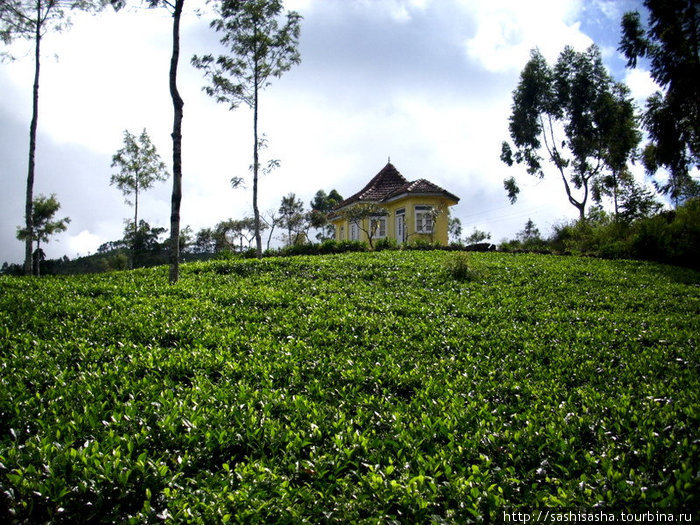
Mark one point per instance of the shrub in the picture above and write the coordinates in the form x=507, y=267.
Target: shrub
x=422, y=244
x=386, y=244
x=328, y=246
x=460, y=267
x=352, y=246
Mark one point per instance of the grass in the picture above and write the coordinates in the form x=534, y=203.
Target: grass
x=377, y=388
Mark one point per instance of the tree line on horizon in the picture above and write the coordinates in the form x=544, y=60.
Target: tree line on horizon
x=261, y=41
x=572, y=116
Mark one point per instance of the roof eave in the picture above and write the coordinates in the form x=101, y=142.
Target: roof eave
x=404, y=195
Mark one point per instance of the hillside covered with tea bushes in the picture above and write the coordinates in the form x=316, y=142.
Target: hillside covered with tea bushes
x=382, y=387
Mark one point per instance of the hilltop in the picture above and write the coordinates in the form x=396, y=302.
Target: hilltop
x=391, y=386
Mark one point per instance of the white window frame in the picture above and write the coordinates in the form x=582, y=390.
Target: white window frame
x=423, y=216
x=354, y=231
x=400, y=231
x=381, y=230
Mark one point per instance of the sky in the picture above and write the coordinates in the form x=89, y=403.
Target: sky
x=425, y=83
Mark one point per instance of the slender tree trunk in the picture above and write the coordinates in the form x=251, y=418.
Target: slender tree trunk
x=615, y=189
x=136, y=222
x=269, y=237
x=28, y=262
x=177, y=149
x=38, y=257
x=256, y=212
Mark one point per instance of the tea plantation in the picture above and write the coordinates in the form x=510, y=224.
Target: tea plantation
x=373, y=388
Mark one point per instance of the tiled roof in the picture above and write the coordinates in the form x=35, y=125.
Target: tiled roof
x=385, y=182
x=420, y=186
x=389, y=183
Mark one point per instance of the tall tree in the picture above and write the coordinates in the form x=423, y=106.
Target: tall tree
x=139, y=168
x=31, y=20
x=175, y=7
x=292, y=216
x=261, y=48
x=43, y=225
x=561, y=114
x=671, y=43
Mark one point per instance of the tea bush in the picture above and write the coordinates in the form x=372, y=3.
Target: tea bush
x=361, y=387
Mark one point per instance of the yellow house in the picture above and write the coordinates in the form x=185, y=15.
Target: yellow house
x=394, y=208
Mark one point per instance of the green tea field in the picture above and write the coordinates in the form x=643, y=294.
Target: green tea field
x=372, y=388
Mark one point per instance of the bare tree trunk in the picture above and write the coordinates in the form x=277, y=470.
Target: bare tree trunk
x=28, y=262
x=177, y=149
x=38, y=257
x=136, y=222
x=269, y=237
x=256, y=212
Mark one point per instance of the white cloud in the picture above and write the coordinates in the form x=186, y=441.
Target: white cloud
x=377, y=78
x=506, y=31
x=83, y=243
x=641, y=85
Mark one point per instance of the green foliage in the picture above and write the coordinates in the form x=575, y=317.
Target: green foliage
x=672, y=236
x=670, y=43
x=354, y=388
x=460, y=266
x=259, y=47
x=421, y=244
x=43, y=227
x=365, y=215
x=572, y=116
x=386, y=243
x=477, y=236
x=321, y=206
x=139, y=168
x=292, y=217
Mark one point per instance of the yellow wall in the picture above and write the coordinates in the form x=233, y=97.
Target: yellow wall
x=342, y=229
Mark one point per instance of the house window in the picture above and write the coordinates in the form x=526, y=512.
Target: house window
x=354, y=232
x=401, y=225
x=424, y=219
x=379, y=227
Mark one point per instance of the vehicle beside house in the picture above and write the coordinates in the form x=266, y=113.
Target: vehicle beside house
x=391, y=207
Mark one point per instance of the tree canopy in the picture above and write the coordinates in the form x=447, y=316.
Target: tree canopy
x=575, y=117
x=260, y=48
x=670, y=42
x=31, y=20
x=43, y=225
x=139, y=168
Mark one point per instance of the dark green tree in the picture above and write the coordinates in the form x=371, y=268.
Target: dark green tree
x=561, y=115
x=670, y=41
x=636, y=201
x=477, y=236
x=43, y=225
x=261, y=47
x=530, y=233
x=144, y=241
x=32, y=20
x=321, y=206
x=205, y=241
x=139, y=168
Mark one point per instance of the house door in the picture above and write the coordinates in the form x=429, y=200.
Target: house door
x=400, y=228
